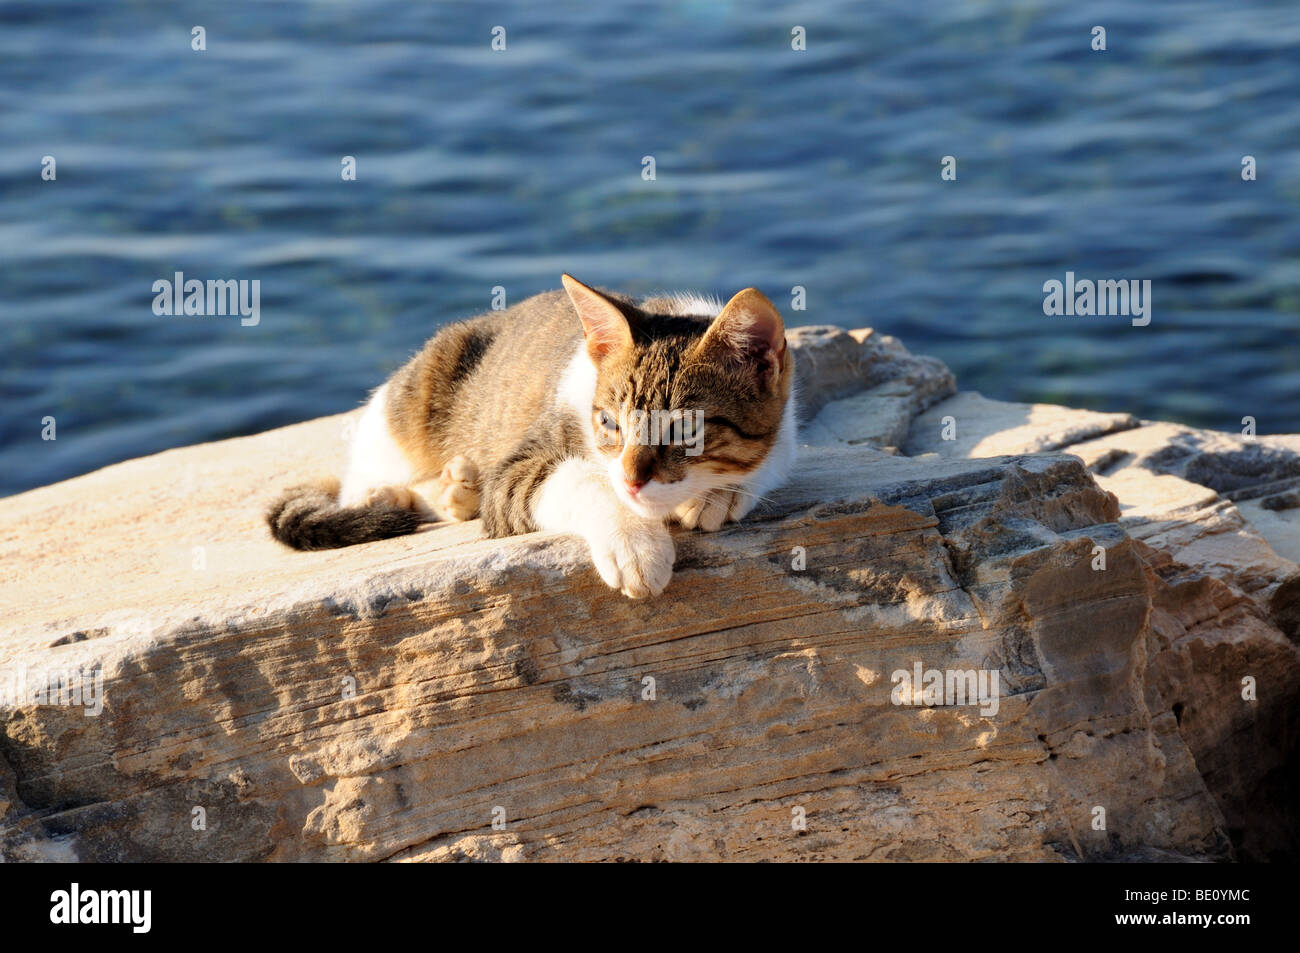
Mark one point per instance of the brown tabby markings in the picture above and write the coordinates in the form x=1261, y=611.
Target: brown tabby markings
x=670, y=365
x=480, y=399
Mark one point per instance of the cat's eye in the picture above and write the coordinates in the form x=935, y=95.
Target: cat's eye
x=607, y=427
x=682, y=430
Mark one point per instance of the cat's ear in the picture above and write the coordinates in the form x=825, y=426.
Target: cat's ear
x=603, y=321
x=749, y=332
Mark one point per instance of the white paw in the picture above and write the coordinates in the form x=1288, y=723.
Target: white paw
x=456, y=491
x=636, y=558
x=399, y=496
x=741, y=504
x=710, y=511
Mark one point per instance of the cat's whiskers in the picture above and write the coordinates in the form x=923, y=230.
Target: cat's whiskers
x=710, y=497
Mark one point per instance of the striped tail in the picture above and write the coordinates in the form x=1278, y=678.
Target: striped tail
x=309, y=517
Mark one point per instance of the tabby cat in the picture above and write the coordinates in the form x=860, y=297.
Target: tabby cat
x=578, y=411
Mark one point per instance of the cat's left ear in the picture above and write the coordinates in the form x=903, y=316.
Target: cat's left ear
x=749, y=331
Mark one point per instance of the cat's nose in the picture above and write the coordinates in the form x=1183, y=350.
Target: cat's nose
x=638, y=468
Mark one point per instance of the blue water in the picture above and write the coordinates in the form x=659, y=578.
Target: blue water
x=774, y=168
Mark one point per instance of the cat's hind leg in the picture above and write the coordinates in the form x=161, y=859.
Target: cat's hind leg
x=378, y=471
x=381, y=474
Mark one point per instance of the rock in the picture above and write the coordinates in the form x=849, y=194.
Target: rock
x=1169, y=497
x=887, y=387
x=989, y=428
x=1226, y=587
x=830, y=365
x=879, y=417
x=1206, y=639
x=1199, y=467
x=833, y=364
x=392, y=701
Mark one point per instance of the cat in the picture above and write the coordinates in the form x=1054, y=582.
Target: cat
x=580, y=411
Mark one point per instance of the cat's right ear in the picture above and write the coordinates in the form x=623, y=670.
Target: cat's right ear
x=603, y=321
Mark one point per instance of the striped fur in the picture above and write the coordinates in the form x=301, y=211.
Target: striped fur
x=308, y=517
x=507, y=416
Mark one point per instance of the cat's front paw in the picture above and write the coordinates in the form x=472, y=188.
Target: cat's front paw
x=710, y=511
x=636, y=558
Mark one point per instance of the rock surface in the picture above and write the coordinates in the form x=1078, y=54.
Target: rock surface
x=446, y=697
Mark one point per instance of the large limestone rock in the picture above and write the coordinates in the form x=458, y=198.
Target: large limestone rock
x=392, y=701
x=1216, y=518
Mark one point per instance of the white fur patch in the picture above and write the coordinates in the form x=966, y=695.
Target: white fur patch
x=687, y=304
x=577, y=387
x=577, y=391
x=375, y=458
x=631, y=554
x=575, y=499
x=776, y=466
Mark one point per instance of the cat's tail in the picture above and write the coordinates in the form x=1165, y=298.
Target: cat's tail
x=310, y=517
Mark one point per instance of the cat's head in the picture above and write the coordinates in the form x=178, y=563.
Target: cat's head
x=684, y=403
